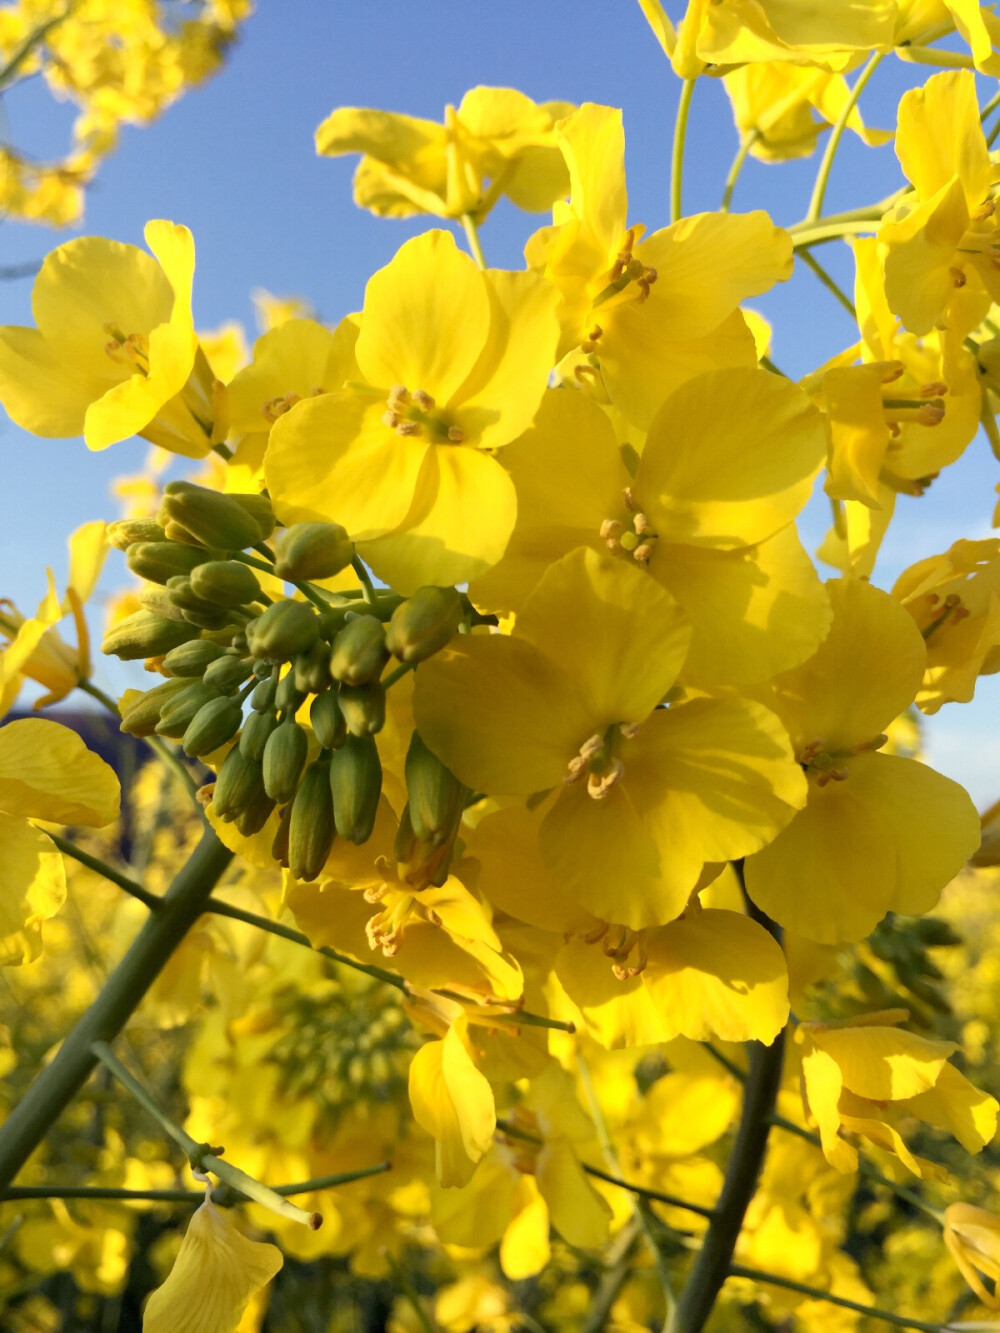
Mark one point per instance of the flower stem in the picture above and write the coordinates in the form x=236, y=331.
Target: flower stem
x=472, y=236
x=811, y=262
x=836, y=134
x=817, y=1294
x=736, y=168
x=367, y=587
x=166, y=755
x=61, y=1079
x=677, y=156
x=760, y=1092
x=151, y=900
x=200, y=1155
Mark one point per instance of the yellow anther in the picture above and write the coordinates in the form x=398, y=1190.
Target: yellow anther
x=575, y=770
x=390, y=418
x=641, y=525
x=628, y=730
x=630, y=501
x=599, y=784
x=408, y=428
x=423, y=400
x=456, y=434
x=611, y=530
x=643, y=553
x=957, y=277
x=592, y=747
x=935, y=389
x=399, y=396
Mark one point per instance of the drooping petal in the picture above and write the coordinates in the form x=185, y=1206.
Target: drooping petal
x=453, y=1102
x=577, y=1211
x=32, y=888
x=957, y=1106
x=216, y=1272
x=46, y=772
x=752, y=446
x=823, y=1085
x=718, y=974
x=525, y=1249
x=884, y=1063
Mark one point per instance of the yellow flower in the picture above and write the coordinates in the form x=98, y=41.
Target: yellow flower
x=215, y=1274
x=712, y=523
x=453, y=1101
x=880, y=832
x=454, y=363
x=33, y=650
x=647, y=313
x=646, y=795
x=498, y=142
x=972, y=1236
x=46, y=773
x=115, y=352
x=863, y=1074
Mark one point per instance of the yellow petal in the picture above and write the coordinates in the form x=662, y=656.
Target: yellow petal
x=46, y=772
x=216, y=1272
x=453, y=1102
x=956, y=1105
x=459, y=523
x=88, y=547
x=32, y=888
x=718, y=974
x=618, y=1013
x=426, y=318
x=744, y=473
x=940, y=136
x=884, y=1063
x=823, y=1085
x=524, y=1250
x=577, y=1211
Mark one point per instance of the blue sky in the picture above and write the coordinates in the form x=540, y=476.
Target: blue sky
x=234, y=160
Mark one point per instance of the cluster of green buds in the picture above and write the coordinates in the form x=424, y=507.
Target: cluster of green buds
x=243, y=667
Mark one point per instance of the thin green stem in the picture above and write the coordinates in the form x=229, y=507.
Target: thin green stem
x=150, y=900
x=618, y=1268
x=735, y=169
x=817, y=1294
x=223, y=450
x=991, y=138
x=222, y=1194
x=805, y=234
x=831, y=286
x=655, y=1196
x=926, y=55
x=639, y=1211
x=836, y=134
x=768, y=364
x=407, y=1289
x=472, y=236
x=398, y=673
x=200, y=1155
x=677, y=155
x=165, y=753
x=306, y=589
x=367, y=587
x=989, y=424
x=63, y=1077
x=990, y=107
x=746, y=1159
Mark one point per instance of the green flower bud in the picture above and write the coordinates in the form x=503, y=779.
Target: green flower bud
x=238, y=785
x=259, y=508
x=284, y=757
x=214, y=724
x=262, y=699
x=287, y=696
x=436, y=797
x=160, y=561
x=311, y=828
x=225, y=582
x=312, y=551
x=145, y=634
x=312, y=669
x=191, y=659
x=423, y=624
x=327, y=721
x=935, y=933
x=279, y=848
x=141, y=718
x=157, y=599
x=256, y=730
x=177, y=714
x=284, y=630
x=359, y=651
x=363, y=707
x=262, y=670
x=206, y=517
x=356, y=784
x=227, y=673
x=332, y=622
x=126, y=531
x=255, y=816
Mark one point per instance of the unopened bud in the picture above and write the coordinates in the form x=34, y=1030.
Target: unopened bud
x=191, y=659
x=141, y=718
x=227, y=673
x=127, y=531
x=279, y=848
x=160, y=561
x=356, y=785
x=327, y=721
x=226, y=582
x=262, y=699
x=207, y=518
x=255, y=733
x=177, y=714
x=363, y=707
x=253, y=818
x=312, y=551
x=312, y=669
x=424, y=623
x=436, y=796
x=285, y=629
x=157, y=599
x=311, y=828
x=288, y=697
x=145, y=634
x=259, y=508
x=238, y=785
x=284, y=757
x=359, y=651
x=213, y=725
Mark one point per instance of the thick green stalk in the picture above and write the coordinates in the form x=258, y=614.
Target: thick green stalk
x=60, y=1081
x=472, y=236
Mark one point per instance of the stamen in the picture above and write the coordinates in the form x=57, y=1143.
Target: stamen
x=600, y=784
